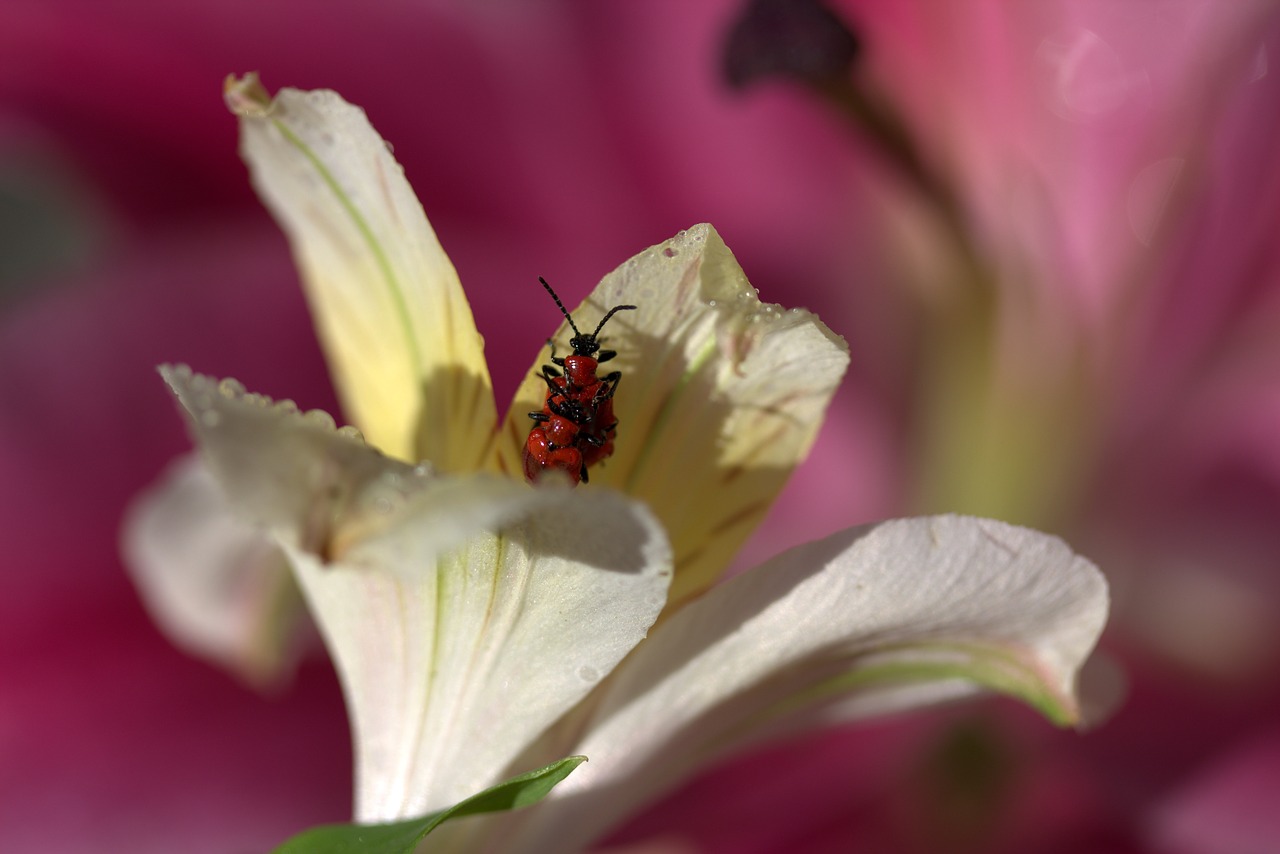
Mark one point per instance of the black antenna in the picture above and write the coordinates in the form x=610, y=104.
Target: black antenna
x=612, y=312
x=564, y=310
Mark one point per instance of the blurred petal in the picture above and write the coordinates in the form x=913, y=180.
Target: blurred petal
x=721, y=396
x=397, y=328
x=464, y=615
x=870, y=620
x=1228, y=809
x=219, y=588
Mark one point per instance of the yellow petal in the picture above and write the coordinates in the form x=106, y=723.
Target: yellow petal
x=721, y=396
x=395, y=324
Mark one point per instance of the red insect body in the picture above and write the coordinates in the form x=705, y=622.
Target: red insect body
x=553, y=444
x=580, y=371
x=575, y=428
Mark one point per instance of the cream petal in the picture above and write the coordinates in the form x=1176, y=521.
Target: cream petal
x=721, y=396
x=454, y=663
x=288, y=472
x=391, y=314
x=464, y=615
x=218, y=587
x=870, y=620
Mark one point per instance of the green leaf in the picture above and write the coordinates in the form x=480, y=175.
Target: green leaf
x=402, y=837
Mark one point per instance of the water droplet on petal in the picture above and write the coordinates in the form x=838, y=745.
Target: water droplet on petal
x=588, y=674
x=320, y=418
x=210, y=417
x=351, y=432
x=230, y=388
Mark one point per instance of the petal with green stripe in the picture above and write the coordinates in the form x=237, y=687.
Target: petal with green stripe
x=391, y=314
x=868, y=621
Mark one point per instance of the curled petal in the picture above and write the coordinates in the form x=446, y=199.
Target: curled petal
x=394, y=322
x=464, y=614
x=218, y=587
x=721, y=396
x=867, y=621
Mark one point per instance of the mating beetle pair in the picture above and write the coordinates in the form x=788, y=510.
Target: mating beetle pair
x=575, y=428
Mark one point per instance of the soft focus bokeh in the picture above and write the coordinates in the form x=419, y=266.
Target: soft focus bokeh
x=1073, y=323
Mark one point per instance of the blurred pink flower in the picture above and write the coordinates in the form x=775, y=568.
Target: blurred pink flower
x=1119, y=192
x=1115, y=171
x=1230, y=808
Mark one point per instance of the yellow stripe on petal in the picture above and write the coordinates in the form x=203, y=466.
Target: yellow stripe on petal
x=721, y=395
x=392, y=317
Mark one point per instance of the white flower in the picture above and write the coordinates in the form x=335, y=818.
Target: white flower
x=481, y=626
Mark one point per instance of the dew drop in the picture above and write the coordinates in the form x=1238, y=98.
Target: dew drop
x=350, y=432
x=320, y=418
x=424, y=469
x=669, y=252
x=210, y=418
x=287, y=406
x=588, y=674
x=230, y=388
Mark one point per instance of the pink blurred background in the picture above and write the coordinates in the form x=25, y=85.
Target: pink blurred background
x=1116, y=165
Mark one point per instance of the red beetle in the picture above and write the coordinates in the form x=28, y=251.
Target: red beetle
x=553, y=444
x=575, y=428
